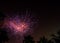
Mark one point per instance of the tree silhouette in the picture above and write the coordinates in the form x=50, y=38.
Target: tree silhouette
x=56, y=38
x=3, y=35
x=43, y=40
x=28, y=39
x=50, y=41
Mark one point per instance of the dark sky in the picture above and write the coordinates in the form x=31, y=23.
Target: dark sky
x=49, y=14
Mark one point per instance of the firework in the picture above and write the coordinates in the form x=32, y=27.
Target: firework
x=21, y=23
x=18, y=23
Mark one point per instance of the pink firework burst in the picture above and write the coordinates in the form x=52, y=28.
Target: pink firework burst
x=21, y=26
x=18, y=24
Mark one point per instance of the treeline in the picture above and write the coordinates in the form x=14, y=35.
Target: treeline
x=29, y=39
x=54, y=39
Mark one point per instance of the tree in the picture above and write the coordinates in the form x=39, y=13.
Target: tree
x=50, y=41
x=56, y=38
x=3, y=35
x=28, y=39
x=43, y=40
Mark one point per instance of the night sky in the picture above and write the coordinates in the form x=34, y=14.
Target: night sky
x=48, y=16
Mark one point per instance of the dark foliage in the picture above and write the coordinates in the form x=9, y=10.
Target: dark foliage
x=3, y=35
x=43, y=40
x=28, y=39
x=56, y=38
x=50, y=41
